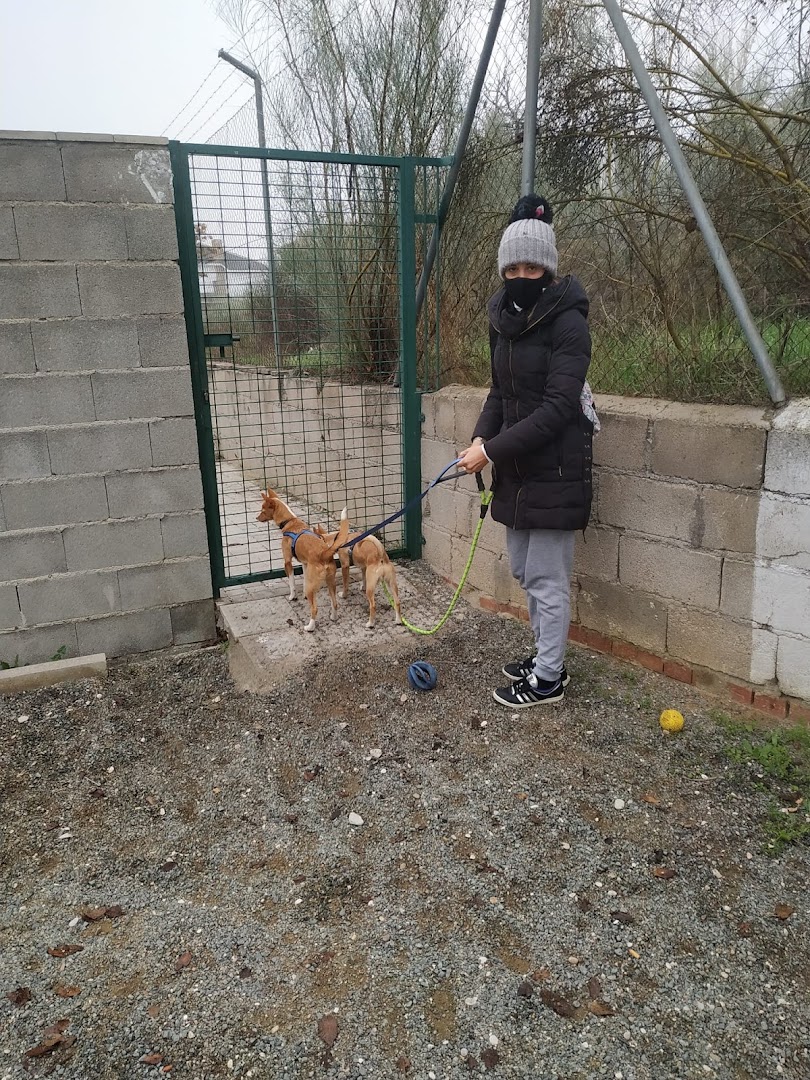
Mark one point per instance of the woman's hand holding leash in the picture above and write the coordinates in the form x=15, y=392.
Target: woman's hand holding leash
x=473, y=459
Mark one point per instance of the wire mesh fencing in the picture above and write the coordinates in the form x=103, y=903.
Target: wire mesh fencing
x=734, y=78
x=298, y=264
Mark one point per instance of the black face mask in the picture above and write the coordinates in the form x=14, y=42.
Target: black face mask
x=525, y=292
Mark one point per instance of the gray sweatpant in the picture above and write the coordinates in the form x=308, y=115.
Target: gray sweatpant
x=541, y=560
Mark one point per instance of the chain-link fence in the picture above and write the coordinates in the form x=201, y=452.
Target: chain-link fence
x=372, y=76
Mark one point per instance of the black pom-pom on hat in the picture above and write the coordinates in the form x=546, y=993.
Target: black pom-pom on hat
x=532, y=206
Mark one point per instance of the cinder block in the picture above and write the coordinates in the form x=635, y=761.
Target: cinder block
x=23, y=455
x=713, y=444
x=737, y=595
x=31, y=554
x=10, y=614
x=718, y=642
x=39, y=644
x=429, y=413
x=174, y=442
x=194, y=622
x=729, y=520
x=35, y=504
x=468, y=403
x=64, y=233
x=490, y=576
x=132, y=394
x=162, y=341
x=616, y=611
x=436, y=454
x=670, y=571
x=122, y=635
x=782, y=599
x=118, y=174
x=793, y=666
x=16, y=349
x=70, y=596
x=184, y=534
x=37, y=291
x=437, y=548
x=112, y=544
x=35, y=400
x=85, y=344
x=30, y=172
x=622, y=442
x=8, y=237
x=151, y=232
x=656, y=507
x=165, y=584
x=783, y=531
x=787, y=466
x=157, y=491
x=597, y=554
x=131, y=289
x=95, y=447
x=445, y=415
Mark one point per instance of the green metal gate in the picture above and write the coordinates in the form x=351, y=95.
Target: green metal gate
x=299, y=278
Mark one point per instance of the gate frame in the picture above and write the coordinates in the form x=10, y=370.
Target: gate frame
x=411, y=416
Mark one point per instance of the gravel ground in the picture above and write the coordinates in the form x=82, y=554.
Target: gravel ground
x=505, y=907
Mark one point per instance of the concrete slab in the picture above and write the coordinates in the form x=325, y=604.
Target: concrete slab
x=31, y=677
x=268, y=641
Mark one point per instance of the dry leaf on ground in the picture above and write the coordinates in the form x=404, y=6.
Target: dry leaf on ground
x=60, y=951
x=328, y=1029
x=183, y=960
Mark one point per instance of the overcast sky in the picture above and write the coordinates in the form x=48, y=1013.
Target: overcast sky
x=115, y=66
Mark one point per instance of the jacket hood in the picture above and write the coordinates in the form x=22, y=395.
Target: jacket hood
x=565, y=294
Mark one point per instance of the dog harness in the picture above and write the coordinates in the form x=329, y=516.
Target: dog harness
x=295, y=535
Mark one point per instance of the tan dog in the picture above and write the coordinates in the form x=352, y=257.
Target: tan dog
x=372, y=558
x=316, y=555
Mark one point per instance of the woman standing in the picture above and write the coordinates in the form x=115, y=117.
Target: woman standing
x=536, y=428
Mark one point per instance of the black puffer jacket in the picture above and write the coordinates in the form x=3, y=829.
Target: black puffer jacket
x=536, y=434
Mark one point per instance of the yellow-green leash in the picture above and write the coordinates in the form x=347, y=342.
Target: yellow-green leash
x=486, y=499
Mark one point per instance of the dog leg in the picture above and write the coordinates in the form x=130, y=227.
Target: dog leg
x=286, y=551
x=310, y=590
x=371, y=576
x=391, y=581
x=331, y=585
x=344, y=570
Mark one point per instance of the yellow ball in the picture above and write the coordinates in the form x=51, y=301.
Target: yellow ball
x=671, y=720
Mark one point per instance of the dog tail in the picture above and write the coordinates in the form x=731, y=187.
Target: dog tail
x=340, y=536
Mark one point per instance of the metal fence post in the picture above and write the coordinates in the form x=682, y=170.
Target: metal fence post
x=411, y=411
x=195, y=334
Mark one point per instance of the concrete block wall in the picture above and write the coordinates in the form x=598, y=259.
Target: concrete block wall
x=321, y=440
x=697, y=559
x=102, y=535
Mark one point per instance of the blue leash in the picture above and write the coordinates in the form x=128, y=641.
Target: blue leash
x=409, y=505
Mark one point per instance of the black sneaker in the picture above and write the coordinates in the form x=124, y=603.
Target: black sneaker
x=522, y=669
x=530, y=691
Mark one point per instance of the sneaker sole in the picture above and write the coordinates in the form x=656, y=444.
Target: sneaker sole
x=517, y=678
x=529, y=704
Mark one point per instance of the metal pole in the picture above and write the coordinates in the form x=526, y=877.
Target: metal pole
x=271, y=276
x=705, y=224
x=532, y=81
x=458, y=153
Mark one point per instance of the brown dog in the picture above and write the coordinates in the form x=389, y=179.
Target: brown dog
x=316, y=555
x=372, y=558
